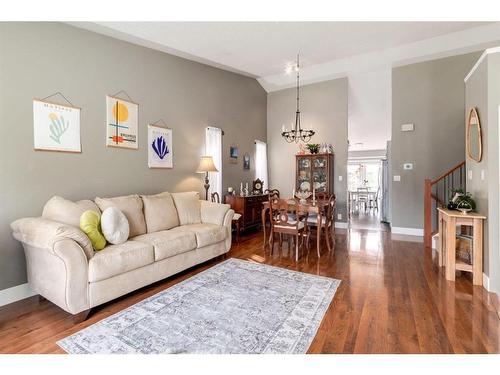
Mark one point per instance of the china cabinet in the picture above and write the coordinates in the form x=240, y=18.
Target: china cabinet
x=314, y=171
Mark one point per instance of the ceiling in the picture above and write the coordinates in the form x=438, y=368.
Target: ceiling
x=365, y=52
x=261, y=49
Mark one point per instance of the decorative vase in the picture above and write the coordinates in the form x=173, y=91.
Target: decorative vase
x=464, y=206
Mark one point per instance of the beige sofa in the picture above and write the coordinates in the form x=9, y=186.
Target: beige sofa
x=168, y=233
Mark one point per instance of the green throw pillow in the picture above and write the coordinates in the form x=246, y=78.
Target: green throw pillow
x=90, y=224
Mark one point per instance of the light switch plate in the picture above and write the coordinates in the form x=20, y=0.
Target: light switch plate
x=469, y=174
x=396, y=178
x=482, y=174
x=407, y=166
x=339, y=217
x=407, y=127
x=340, y=178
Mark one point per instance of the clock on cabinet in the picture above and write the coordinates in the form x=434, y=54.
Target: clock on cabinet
x=257, y=186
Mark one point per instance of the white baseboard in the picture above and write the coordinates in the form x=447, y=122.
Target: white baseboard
x=15, y=293
x=408, y=231
x=486, y=282
x=341, y=224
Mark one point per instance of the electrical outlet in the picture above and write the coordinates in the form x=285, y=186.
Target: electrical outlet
x=396, y=178
x=340, y=178
x=469, y=174
x=482, y=174
x=339, y=217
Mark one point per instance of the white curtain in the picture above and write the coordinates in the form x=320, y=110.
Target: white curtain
x=213, y=148
x=261, y=162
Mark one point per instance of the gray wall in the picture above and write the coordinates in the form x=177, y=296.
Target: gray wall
x=430, y=95
x=324, y=109
x=38, y=59
x=483, y=92
x=493, y=224
x=476, y=95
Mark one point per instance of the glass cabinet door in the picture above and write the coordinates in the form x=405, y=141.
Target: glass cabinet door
x=303, y=174
x=320, y=173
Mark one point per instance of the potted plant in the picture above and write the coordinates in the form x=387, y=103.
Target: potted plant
x=461, y=199
x=313, y=148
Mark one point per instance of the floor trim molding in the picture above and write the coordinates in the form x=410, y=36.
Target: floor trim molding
x=486, y=282
x=16, y=293
x=408, y=231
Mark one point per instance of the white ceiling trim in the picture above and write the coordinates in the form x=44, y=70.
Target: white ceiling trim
x=456, y=43
x=481, y=58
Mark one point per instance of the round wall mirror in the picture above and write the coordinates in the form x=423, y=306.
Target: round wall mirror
x=474, y=141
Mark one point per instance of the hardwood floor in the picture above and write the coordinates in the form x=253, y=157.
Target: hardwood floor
x=393, y=299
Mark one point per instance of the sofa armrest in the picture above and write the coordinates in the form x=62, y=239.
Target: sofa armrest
x=228, y=222
x=213, y=213
x=44, y=234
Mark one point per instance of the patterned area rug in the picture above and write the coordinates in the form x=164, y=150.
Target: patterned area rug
x=233, y=307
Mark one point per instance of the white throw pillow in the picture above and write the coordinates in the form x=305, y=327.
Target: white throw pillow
x=114, y=226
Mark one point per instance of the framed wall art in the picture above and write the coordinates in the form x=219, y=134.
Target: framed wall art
x=246, y=161
x=122, y=117
x=159, y=147
x=233, y=154
x=56, y=127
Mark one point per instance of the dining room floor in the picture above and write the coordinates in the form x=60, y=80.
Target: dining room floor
x=369, y=220
x=393, y=298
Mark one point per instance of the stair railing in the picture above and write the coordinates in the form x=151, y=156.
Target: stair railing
x=437, y=193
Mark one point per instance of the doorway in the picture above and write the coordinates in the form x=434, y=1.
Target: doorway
x=365, y=194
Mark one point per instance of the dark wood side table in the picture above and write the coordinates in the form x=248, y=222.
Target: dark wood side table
x=249, y=207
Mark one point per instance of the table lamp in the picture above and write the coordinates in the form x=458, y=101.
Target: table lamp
x=206, y=165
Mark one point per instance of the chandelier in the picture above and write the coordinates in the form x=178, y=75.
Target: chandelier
x=297, y=134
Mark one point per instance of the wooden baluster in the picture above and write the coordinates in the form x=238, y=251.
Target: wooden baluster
x=427, y=213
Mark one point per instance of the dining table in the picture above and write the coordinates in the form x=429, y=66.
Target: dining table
x=370, y=194
x=316, y=207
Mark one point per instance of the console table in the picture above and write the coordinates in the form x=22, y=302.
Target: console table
x=249, y=207
x=448, y=221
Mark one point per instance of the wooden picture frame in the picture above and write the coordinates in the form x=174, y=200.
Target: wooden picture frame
x=473, y=120
x=56, y=127
x=160, y=147
x=122, y=127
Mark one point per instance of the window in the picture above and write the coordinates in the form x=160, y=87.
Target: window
x=363, y=174
x=261, y=162
x=213, y=148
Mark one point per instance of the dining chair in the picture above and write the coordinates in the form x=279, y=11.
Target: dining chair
x=272, y=192
x=236, y=218
x=328, y=220
x=321, y=195
x=282, y=225
x=373, y=202
x=362, y=198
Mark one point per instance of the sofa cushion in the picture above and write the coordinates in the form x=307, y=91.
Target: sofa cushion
x=67, y=212
x=188, y=207
x=206, y=234
x=90, y=224
x=114, y=226
x=168, y=243
x=131, y=206
x=159, y=212
x=117, y=259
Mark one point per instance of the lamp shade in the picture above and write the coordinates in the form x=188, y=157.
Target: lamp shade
x=206, y=165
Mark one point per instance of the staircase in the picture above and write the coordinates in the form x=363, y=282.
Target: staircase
x=437, y=193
